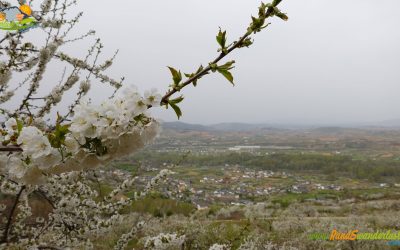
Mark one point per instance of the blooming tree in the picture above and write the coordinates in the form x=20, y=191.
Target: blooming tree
x=50, y=154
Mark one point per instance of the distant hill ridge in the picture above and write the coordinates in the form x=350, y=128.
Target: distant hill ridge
x=217, y=127
x=246, y=127
x=185, y=126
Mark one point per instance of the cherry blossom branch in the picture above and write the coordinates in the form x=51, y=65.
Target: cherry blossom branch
x=10, y=149
x=265, y=11
x=11, y=215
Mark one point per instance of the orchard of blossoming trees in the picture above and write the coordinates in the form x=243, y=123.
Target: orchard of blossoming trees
x=53, y=154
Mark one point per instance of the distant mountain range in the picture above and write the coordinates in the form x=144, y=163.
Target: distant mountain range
x=182, y=126
x=185, y=126
x=217, y=127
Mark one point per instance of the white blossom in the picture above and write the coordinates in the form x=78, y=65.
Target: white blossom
x=84, y=86
x=71, y=144
x=219, y=247
x=56, y=94
x=34, y=143
x=152, y=98
x=164, y=241
x=16, y=167
x=55, y=156
x=11, y=125
x=132, y=101
x=5, y=74
x=48, y=160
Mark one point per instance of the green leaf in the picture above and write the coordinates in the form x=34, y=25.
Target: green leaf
x=213, y=67
x=246, y=43
x=176, y=100
x=227, y=66
x=262, y=9
x=61, y=132
x=176, y=75
x=221, y=39
x=282, y=16
x=177, y=110
x=228, y=75
x=173, y=103
x=189, y=76
x=200, y=69
x=224, y=70
x=257, y=25
x=20, y=125
x=57, y=138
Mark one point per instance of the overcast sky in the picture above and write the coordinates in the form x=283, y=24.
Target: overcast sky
x=332, y=62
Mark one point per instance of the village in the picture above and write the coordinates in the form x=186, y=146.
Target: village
x=233, y=185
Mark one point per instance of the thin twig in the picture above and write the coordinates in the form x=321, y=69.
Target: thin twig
x=10, y=149
x=10, y=216
x=206, y=70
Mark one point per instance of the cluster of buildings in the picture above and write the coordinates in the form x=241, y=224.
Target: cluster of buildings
x=307, y=187
x=237, y=185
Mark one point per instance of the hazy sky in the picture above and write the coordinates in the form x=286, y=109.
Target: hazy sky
x=332, y=62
